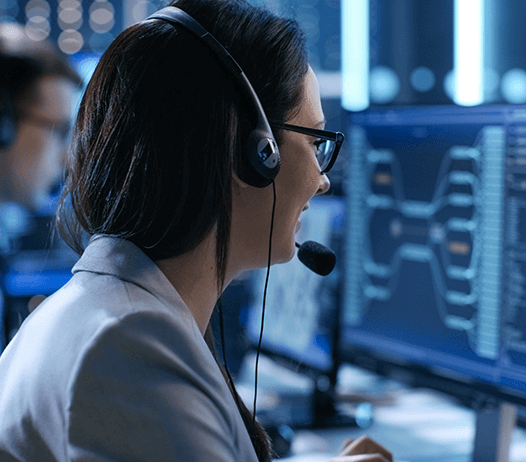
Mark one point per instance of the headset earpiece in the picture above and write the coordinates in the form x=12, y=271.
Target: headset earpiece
x=262, y=163
x=264, y=158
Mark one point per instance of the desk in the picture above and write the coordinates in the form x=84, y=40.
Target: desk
x=415, y=424
x=421, y=425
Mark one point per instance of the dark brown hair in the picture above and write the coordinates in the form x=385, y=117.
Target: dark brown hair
x=162, y=126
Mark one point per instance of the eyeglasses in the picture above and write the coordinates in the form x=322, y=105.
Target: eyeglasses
x=328, y=144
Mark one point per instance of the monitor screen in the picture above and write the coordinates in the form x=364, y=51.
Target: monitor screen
x=436, y=242
x=301, y=306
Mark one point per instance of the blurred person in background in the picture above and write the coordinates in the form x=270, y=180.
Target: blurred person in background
x=37, y=87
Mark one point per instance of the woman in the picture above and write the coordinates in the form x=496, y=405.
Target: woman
x=115, y=363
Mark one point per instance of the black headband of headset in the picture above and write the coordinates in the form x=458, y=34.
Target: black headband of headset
x=262, y=148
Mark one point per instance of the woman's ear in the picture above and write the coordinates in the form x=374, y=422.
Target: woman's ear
x=240, y=183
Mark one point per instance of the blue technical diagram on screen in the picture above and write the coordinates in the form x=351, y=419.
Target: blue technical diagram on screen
x=436, y=239
x=301, y=306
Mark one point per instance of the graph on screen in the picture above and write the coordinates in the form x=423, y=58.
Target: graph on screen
x=436, y=240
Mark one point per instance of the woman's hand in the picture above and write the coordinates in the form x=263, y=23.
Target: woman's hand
x=362, y=450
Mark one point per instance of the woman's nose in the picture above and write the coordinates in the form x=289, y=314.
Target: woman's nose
x=324, y=185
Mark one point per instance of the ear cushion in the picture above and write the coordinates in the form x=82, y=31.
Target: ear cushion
x=247, y=173
x=262, y=163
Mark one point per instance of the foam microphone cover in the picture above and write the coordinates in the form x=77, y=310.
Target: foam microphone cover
x=317, y=257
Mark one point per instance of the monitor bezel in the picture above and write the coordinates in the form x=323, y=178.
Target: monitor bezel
x=468, y=390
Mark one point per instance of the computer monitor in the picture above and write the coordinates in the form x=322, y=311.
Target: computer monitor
x=435, y=280
x=34, y=262
x=301, y=311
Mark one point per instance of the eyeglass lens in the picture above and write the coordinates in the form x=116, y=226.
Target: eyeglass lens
x=325, y=149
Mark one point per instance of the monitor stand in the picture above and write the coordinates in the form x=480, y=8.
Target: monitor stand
x=310, y=408
x=495, y=423
x=317, y=411
x=326, y=415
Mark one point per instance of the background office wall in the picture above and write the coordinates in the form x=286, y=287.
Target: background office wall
x=410, y=53
x=411, y=42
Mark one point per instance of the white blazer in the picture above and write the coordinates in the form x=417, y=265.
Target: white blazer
x=113, y=367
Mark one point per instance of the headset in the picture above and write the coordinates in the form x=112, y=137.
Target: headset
x=262, y=163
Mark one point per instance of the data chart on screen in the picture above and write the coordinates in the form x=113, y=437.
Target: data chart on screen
x=436, y=239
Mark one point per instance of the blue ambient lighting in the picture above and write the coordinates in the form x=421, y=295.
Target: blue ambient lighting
x=513, y=86
x=384, y=84
x=355, y=54
x=423, y=79
x=468, y=52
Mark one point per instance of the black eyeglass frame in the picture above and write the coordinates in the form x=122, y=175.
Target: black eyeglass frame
x=337, y=137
